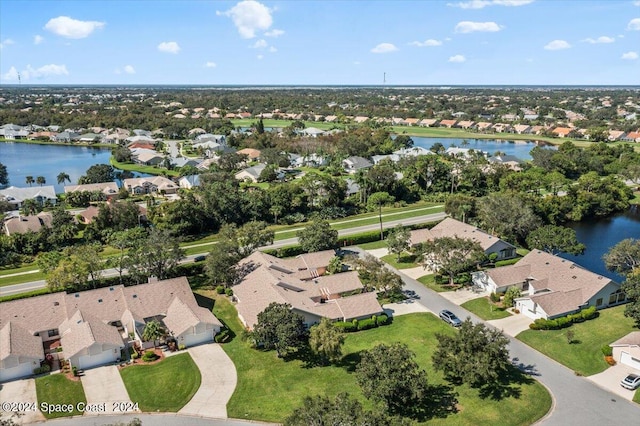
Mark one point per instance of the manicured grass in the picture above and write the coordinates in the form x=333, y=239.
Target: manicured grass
x=485, y=309
x=26, y=268
x=57, y=389
x=25, y=295
x=22, y=278
x=165, y=386
x=406, y=260
x=142, y=168
x=270, y=388
x=636, y=396
x=373, y=245
x=584, y=356
x=430, y=282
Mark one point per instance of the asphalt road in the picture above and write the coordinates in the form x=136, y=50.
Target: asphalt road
x=577, y=401
x=35, y=285
x=150, y=420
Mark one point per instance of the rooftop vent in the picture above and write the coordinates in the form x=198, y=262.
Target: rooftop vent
x=99, y=300
x=546, y=263
x=110, y=288
x=77, y=295
x=572, y=266
x=135, y=296
x=574, y=277
x=56, y=303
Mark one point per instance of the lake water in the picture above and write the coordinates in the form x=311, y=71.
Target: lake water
x=24, y=159
x=600, y=235
x=520, y=149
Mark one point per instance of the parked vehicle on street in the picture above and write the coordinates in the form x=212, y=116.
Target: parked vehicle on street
x=450, y=317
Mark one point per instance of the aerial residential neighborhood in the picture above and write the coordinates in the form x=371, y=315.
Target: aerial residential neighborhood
x=320, y=213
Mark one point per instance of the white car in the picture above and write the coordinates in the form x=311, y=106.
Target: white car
x=631, y=382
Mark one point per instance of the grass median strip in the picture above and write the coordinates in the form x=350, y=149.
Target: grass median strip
x=486, y=310
x=59, y=396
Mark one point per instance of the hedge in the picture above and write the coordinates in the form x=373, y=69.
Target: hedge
x=364, y=324
x=566, y=321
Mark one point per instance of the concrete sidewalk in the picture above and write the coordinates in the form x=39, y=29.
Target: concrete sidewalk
x=219, y=379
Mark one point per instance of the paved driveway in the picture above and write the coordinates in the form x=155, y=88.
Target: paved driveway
x=513, y=325
x=219, y=380
x=408, y=306
x=610, y=379
x=103, y=385
x=462, y=295
x=23, y=392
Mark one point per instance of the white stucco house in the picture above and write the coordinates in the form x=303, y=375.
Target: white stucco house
x=626, y=350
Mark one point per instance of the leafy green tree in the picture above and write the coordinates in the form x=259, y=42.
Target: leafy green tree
x=326, y=340
x=40, y=180
x=476, y=355
x=317, y=237
x=375, y=276
x=268, y=174
x=153, y=331
x=157, y=255
x=598, y=134
x=29, y=180
x=29, y=207
x=450, y=255
x=220, y=264
x=98, y=173
x=555, y=239
x=460, y=206
x=48, y=261
x=624, y=257
x=122, y=241
x=389, y=374
x=631, y=288
x=507, y=215
x=398, y=240
x=510, y=295
x=4, y=175
x=62, y=178
x=280, y=328
x=343, y=410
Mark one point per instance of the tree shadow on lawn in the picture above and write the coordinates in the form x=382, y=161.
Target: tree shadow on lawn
x=439, y=402
x=508, y=385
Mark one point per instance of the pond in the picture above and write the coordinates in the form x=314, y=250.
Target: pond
x=520, y=149
x=602, y=234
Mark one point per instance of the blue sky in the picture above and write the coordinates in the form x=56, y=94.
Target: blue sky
x=320, y=42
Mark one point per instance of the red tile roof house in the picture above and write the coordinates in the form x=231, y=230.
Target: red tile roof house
x=94, y=326
x=561, y=132
x=301, y=283
x=448, y=123
x=553, y=286
x=450, y=227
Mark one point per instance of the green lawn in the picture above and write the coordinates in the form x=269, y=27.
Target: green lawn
x=269, y=388
x=142, y=168
x=57, y=389
x=430, y=282
x=165, y=386
x=23, y=278
x=486, y=310
x=406, y=260
x=373, y=245
x=636, y=396
x=584, y=356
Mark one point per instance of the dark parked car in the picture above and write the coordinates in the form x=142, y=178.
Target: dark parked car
x=450, y=317
x=199, y=258
x=631, y=382
x=411, y=294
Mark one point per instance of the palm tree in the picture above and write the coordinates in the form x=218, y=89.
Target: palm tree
x=30, y=180
x=62, y=177
x=153, y=331
x=40, y=180
x=29, y=206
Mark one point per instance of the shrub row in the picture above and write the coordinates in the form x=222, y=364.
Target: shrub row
x=364, y=324
x=607, y=350
x=563, y=322
x=40, y=370
x=223, y=336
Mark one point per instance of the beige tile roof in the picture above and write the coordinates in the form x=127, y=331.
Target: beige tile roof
x=359, y=305
x=85, y=330
x=35, y=313
x=180, y=317
x=509, y=275
x=104, y=187
x=24, y=224
x=160, y=182
x=557, y=303
x=270, y=279
x=631, y=339
x=18, y=341
x=450, y=227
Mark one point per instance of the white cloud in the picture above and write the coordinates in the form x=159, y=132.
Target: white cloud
x=480, y=4
x=636, y=3
x=117, y=71
x=72, y=28
x=260, y=57
x=129, y=69
x=210, y=64
x=384, y=48
x=274, y=33
x=557, y=45
x=634, y=24
x=6, y=42
x=630, y=55
x=272, y=49
x=600, y=40
x=457, y=58
x=426, y=43
x=249, y=16
x=37, y=39
x=470, y=27
x=169, y=47
x=32, y=73
x=259, y=44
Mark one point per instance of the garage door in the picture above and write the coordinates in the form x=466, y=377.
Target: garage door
x=102, y=358
x=21, y=370
x=196, y=339
x=627, y=359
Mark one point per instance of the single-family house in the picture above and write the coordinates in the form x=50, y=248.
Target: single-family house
x=632, y=137
x=414, y=151
x=40, y=194
x=148, y=157
x=330, y=118
x=450, y=228
x=522, y=129
x=87, y=215
x=189, y=182
x=484, y=126
x=360, y=119
x=152, y=184
x=251, y=173
x=626, y=350
x=110, y=189
x=428, y=122
x=146, y=139
x=615, y=135
x=23, y=224
x=510, y=161
x=251, y=153
x=553, y=286
x=561, y=132
x=466, y=124
x=312, y=132
x=92, y=327
x=185, y=161
x=65, y=136
x=302, y=283
x=411, y=121
x=448, y=123
x=90, y=138
x=355, y=163
x=503, y=128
